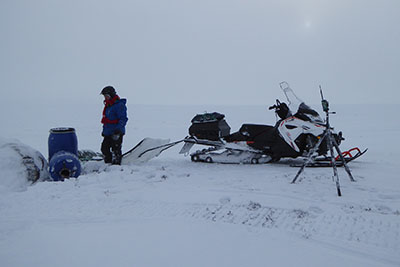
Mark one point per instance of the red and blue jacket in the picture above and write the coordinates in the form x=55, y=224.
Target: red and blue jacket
x=114, y=116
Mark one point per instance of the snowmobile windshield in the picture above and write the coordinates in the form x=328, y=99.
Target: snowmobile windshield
x=292, y=99
x=297, y=106
x=306, y=113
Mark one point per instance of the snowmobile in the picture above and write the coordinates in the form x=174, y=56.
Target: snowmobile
x=296, y=132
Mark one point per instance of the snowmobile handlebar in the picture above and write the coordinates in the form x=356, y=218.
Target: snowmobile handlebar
x=272, y=107
x=277, y=105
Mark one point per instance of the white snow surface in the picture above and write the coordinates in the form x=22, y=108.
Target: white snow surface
x=174, y=212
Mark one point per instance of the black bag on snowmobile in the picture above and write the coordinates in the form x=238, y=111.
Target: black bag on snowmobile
x=209, y=126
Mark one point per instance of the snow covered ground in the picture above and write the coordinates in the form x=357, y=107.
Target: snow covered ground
x=174, y=212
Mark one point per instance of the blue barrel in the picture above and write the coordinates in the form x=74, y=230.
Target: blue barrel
x=63, y=154
x=62, y=139
x=64, y=165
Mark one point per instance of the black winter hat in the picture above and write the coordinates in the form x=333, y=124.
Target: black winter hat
x=108, y=90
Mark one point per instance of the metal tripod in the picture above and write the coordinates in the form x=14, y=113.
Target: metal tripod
x=331, y=142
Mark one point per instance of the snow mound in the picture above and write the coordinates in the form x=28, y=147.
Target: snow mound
x=20, y=165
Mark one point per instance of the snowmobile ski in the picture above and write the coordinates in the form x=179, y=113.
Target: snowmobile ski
x=326, y=161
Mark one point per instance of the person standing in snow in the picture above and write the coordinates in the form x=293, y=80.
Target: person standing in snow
x=114, y=121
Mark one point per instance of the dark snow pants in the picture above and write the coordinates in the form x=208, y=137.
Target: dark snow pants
x=112, y=144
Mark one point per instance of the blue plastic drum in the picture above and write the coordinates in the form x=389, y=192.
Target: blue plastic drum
x=64, y=165
x=62, y=139
x=63, y=154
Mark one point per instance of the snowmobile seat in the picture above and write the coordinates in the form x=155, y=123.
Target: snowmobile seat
x=253, y=130
x=257, y=136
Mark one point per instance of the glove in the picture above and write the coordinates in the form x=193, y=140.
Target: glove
x=116, y=135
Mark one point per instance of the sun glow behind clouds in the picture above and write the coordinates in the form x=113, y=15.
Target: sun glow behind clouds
x=307, y=24
x=313, y=13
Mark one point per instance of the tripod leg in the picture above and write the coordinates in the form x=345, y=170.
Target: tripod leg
x=344, y=161
x=299, y=172
x=309, y=157
x=333, y=161
x=338, y=188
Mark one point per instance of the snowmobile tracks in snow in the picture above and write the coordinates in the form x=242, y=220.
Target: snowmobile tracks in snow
x=374, y=231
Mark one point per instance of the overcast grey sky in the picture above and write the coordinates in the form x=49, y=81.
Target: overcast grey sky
x=201, y=52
